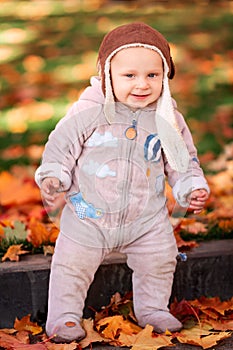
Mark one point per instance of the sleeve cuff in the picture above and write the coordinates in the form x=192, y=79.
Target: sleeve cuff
x=53, y=170
x=182, y=189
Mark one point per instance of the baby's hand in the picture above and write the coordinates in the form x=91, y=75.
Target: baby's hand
x=197, y=200
x=49, y=188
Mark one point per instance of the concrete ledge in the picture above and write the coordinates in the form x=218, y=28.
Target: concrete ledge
x=24, y=285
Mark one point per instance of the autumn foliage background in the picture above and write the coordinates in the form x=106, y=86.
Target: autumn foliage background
x=48, y=52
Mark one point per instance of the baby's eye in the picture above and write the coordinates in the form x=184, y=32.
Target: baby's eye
x=152, y=75
x=129, y=75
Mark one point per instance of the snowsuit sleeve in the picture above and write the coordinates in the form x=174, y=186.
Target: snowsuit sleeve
x=64, y=147
x=184, y=183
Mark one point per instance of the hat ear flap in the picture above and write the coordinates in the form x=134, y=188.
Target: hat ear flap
x=172, y=69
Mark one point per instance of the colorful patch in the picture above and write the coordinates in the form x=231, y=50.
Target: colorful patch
x=84, y=209
x=152, y=148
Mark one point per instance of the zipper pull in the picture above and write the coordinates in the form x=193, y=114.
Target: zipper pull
x=131, y=131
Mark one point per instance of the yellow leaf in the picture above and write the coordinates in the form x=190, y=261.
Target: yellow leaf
x=145, y=340
x=91, y=335
x=116, y=325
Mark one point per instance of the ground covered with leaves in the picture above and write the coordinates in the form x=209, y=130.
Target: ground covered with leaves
x=206, y=322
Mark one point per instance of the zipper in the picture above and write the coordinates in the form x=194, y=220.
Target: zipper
x=131, y=135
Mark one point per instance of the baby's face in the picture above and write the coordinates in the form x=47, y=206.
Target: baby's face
x=137, y=76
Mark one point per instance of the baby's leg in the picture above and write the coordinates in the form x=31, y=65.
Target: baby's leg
x=153, y=260
x=72, y=271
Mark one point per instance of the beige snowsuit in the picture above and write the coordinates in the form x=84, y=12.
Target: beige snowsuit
x=114, y=178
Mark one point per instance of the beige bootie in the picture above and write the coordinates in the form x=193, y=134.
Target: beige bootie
x=161, y=321
x=66, y=332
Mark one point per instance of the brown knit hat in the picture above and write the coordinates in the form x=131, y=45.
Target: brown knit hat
x=133, y=33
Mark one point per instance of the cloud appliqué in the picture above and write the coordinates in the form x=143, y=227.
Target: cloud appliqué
x=106, y=140
x=101, y=171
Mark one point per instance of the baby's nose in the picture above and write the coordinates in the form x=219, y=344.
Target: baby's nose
x=142, y=83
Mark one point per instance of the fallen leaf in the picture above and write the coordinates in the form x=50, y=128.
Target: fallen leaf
x=214, y=303
x=201, y=336
x=53, y=346
x=145, y=340
x=23, y=337
x=91, y=335
x=48, y=250
x=114, y=325
x=40, y=233
x=13, y=252
x=25, y=324
x=221, y=325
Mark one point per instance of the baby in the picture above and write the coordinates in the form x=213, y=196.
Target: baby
x=111, y=155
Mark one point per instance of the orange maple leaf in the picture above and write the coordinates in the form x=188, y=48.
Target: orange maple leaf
x=214, y=303
x=25, y=324
x=13, y=252
x=114, y=325
x=40, y=233
x=221, y=325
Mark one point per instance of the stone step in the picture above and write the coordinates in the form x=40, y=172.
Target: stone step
x=208, y=271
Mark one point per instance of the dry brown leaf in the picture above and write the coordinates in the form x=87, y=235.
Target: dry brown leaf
x=201, y=336
x=23, y=337
x=91, y=335
x=8, y=341
x=53, y=346
x=38, y=346
x=13, y=252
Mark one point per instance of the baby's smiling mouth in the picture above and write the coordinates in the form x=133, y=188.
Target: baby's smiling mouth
x=140, y=96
